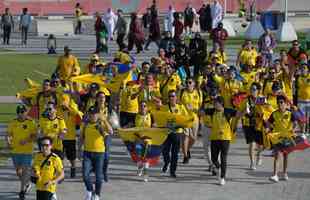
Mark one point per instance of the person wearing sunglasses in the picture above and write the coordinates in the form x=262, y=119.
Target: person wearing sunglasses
x=295, y=53
x=281, y=121
x=53, y=126
x=47, y=170
x=45, y=96
x=92, y=140
x=172, y=144
x=21, y=134
x=191, y=98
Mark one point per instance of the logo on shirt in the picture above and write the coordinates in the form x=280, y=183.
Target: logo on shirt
x=286, y=116
x=24, y=126
x=55, y=126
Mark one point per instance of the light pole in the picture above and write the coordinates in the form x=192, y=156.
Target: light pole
x=287, y=32
x=285, y=10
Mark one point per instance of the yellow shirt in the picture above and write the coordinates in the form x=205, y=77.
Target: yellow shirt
x=53, y=128
x=48, y=172
x=208, y=103
x=21, y=130
x=191, y=100
x=228, y=89
x=144, y=121
x=93, y=139
x=78, y=13
x=221, y=128
x=303, y=91
x=68, y=67
x=221, y=57
x=147, y=95
x=248, y=79
x=178, y=109
x=248, y=57
x=173, y=83
x=282, y=122
x=127, y=104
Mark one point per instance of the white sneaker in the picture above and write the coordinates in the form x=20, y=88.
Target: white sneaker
x=28, y=188
x=88, y=195
x=222, y=181
x=96, y=197
x=252, y=167
x=140, y=172
x=274, y=178
x=285, y=177
x=145, y=178
x=259, y=162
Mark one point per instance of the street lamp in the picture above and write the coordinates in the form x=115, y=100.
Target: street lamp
x=51, y=44
x=287, y=31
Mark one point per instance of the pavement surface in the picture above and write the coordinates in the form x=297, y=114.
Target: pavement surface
x=193, y=182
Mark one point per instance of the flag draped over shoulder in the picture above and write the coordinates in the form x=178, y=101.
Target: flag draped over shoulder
x=144, y=144
x=164, y=119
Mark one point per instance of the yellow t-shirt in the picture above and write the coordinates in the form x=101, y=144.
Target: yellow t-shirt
x=173, y=83
x=282, y=122
x=248, y=79
x=221, y=128
x=48, y=172
x=178, y=109
x=248, y=57
x=127, y=104
x=221, y=57
x=53, y=128
x=93, y=139
x=191, y=100
x=147, y=95
x=78, y=13
x=144, y=121
x=68, y=67
x=228, y=89
x=21, y=130
x=303, y=91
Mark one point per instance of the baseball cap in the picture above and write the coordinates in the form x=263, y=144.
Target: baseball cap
x=67, y=48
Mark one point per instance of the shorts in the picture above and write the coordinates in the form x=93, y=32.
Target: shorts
x=45, y=195
x=252, y=135
x=22, y=160
x=192, y=132
x=69, y=149
x=58, y=153
x=127, y=118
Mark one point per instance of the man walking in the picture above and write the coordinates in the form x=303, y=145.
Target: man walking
x=24, y=24
x=216, y=13
x=121, y=28
x=7, y=24
x=47, y=170
x=21, y=135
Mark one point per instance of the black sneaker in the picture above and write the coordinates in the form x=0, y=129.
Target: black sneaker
x=105, y=177
x=189, y=155
x=22, y=195
x=72, y=173
x=173, y=175
x=165, y=168
x=186, y=160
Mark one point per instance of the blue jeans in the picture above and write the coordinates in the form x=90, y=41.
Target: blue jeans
x=106, y=156
x=92, y=161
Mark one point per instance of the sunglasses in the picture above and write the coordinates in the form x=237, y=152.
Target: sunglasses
x=172, y=96
x=189, y=82
x=296, y=44
x=281, y=102
x=45, y=145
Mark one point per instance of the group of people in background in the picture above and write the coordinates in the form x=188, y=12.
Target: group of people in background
x=185, y=78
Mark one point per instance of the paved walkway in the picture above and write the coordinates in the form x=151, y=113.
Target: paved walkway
x=193, y=181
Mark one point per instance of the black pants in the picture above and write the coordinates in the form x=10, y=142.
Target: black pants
x=44, y=195
x=134, y=41
x=24, y=34
x=171, y=151
x=6, y=34
x=120, y=41
x=78, y=28
x=148, y=42
x=220, y=147
x=127, y=119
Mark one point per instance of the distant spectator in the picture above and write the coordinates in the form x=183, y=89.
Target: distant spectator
x=218, y=36
x=154, y=32
x=135, y=36
x=169, y=18
x=7, y=24
x=121, y=28
x=110, y=21
x=189, y=14
x=24, y=24
x=78, y=17
x=216, y=13
x=266, y=44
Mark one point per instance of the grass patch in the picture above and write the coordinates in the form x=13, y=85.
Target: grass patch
x=7, y=112
x=15, y=68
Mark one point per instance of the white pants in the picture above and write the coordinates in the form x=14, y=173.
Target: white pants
x=206, y=142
